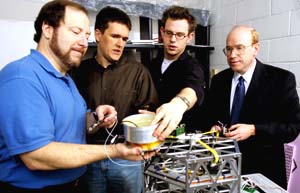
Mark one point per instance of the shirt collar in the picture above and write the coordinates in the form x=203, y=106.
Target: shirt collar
x=247, y=76
x=110, y=66
x=44, y=62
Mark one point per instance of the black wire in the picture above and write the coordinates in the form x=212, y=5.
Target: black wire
x=130, y=122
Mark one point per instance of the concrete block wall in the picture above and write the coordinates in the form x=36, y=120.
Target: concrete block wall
x=277, y=21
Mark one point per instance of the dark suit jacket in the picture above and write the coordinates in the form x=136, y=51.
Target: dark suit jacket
x=272, y=105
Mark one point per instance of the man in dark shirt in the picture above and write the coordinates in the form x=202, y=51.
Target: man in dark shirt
x=124, y=84
x=178, y=77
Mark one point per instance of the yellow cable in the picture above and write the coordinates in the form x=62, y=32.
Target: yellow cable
x=213, y=151
x=172, y=137
x=210, y=132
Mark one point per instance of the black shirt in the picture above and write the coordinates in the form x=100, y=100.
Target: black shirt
x=182, y=73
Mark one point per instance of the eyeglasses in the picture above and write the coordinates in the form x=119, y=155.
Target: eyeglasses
x=178, y=35
x=240, y=49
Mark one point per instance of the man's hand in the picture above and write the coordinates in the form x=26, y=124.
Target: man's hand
x=122, y=151
x=240, y=132
x=168, y=116
x=107, y=114
x=216, y=128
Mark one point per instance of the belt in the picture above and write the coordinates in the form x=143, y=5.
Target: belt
x=76, y=186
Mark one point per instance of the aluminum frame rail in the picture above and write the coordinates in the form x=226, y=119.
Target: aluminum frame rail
x=183, y=165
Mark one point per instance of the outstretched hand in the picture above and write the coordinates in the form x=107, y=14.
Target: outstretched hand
x=167, y=116
x=123, y=151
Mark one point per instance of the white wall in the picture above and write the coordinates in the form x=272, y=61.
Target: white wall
x=277, y=21
x=17, y=30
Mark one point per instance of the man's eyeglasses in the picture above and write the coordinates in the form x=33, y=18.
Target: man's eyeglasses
x=240, y=49
x=178, y=35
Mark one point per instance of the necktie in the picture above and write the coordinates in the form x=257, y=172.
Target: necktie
x=237, y=101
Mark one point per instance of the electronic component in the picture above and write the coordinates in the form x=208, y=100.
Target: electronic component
x=179, y=130
x=94, y=127
x=223, y=127
x=258, y=183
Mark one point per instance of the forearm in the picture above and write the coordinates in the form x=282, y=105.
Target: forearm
x=57, y=155
x=190, y=95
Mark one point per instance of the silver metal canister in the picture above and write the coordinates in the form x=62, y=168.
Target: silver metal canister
x=138, y=131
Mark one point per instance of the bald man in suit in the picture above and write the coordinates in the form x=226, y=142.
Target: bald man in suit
x=270, y=112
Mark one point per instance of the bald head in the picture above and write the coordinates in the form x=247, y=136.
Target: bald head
x=241, y=48
x=246, y=30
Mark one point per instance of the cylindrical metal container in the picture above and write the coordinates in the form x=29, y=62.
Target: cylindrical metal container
x=138, y=131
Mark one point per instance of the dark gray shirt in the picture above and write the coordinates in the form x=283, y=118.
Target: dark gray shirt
x=126, y=85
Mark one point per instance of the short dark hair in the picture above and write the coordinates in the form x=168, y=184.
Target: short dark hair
x=111, y=14
x=52, y=13
x=177, y=12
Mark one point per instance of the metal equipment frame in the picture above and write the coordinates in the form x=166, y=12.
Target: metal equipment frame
x=183, y=165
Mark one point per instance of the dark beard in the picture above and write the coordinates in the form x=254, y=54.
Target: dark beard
x=64, y=57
